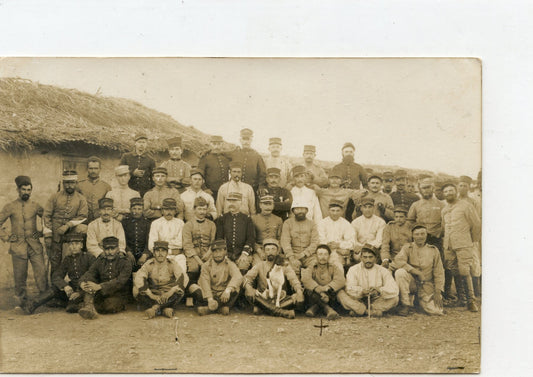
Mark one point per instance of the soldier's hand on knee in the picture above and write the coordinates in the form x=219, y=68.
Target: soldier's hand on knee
x=437, y=298
x=74, y=296
x=212, y=304
x=224, y=297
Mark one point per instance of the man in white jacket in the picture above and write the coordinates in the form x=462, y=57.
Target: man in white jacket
x=368, y=228
x=303, y=194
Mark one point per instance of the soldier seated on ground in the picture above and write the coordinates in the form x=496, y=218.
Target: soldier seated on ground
x=75, y=264
x=219, y=283
x=105, y=283
x=370, y=288
x=160, y=283
x=256, y=282
x=421, y=273
x=322, y=282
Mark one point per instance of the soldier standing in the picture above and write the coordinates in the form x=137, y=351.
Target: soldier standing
x=140, y=165
x=215, y=166
x=253, y=166
x=93, y=188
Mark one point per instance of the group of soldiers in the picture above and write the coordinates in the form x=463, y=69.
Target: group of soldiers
x=242, y=230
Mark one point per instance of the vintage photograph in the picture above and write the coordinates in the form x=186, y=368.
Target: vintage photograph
x=240, y=215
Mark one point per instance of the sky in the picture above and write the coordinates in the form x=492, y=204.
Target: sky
x=413, y=113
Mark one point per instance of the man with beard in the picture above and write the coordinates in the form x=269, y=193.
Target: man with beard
x=239, y=232
x=153, y=199
x=136, y=229
x=282, y=197
x=253, y=166
x=299, y=238
x=401, y=196
x=353, y=175
x=64, y=213
x=24, y=243
x=177, y=168
x=160, y=283
x=462, y=229
x=463, y=188
x=66, y=285
x=105, y=226
x=367, y=281
x=140, y=165
x=105, y=283
x=267, y=225
x=322, y=282
x=93, y=188
x=219, y=283
x=276, y=161
x=215, y=167
x=303, y=194
x=337, y=233
x=198, y=235
x=383, y=206
x=317, y=175
x=255, y=284
x=195, y=191
x=420, y=271
x=395, y=234
x=121, y=193
x=247, y=204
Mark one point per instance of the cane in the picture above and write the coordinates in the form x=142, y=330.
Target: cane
x=368, y=310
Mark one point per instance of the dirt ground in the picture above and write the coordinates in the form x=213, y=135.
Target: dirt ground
x=52, y=340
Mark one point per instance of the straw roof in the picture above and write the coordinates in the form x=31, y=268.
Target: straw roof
x=32, y=115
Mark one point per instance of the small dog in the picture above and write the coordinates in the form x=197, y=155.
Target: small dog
x=276, y=279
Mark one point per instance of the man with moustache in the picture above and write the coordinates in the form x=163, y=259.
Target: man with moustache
x=121, y=193
x=463, y=188
x=267, y=225
x=140, y=165
x=388, y=182
x=275, y=160
x=136, y=229
x=215, y=167
x=195, y=191
x=335, y=191
x=235, y=184
x=353, y=175
x=253, y=166
x=368, y=229
x=153, y=199
x=105, y=226
x=24, y=243
x=401, y=196
x=64, y=213
x=317, y=175
x=383, y=205
x=282, y=197
x=105, y=284
x=395, y=234
x=462, y=230
x=303, y=194
x=177, y=168
x=93, y=188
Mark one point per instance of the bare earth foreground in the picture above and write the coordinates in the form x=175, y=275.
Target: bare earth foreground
x=54, y=341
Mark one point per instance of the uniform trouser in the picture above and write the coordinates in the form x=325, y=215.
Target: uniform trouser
x=216, y=296
x=304, y=262
x=269, y=305
x=20, y=272
x=313, y=298
x=460, y=262
x=172, y=302
x=359, y=305
x=424, y=291
x=110, y=304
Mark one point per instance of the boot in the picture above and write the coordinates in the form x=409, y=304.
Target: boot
x=331, y=314
x=286, y=303
x=461, y=290
x=448, y=280
x=88, y=311
x=469, y=290
x=279, y=312
x=284, y=313
x=476, y=281
x=311, y=312
x=30, y=305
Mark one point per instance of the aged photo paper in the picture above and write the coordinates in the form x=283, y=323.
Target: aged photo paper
x=416, y=116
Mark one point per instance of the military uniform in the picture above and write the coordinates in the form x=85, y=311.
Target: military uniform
x=121, y=198
x=238, y=230
x=215, y=278
x=141, y=162
x=283, y=164
x=299, y=240
x=153, y=200
x=197, y=238
x=403, y=198
x=352, y=174
x=266, y=226
x=188, y=197
x=282, y=200
x=136, y=232
x=253, y=166
x=93, y=190
x=24, y=243
x=386, y=214
x=215, y=167
x=394, y=237
x=61, y=209
x=329, y=276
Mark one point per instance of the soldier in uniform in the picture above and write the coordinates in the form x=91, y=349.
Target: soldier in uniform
x=198, y=235
x=93, y=188
x=368, y=228
x=64, y=212
x=177, y=168
x=105, y=285
x=24, y=243
x=282, y=196
x=140, y=165
x=388, y=182
x=335, y=191
x=383, y=206
x=153, y=199
x=195, y=191
x=253, y=166
x=401, y=196
x=136, y=229
x=267, y=225
x=255, y=284
x=317, y=175
x=395, y=234
x=121, y=193
x=74, y=265
x=215, y=167
x=463, y=188
x=419, y=271
x=236, y=184
x=219, y=283
x=239, y=232
x=303, y=194
x=104, y=226
x=322, y=282
x=353, y=175
x=160, y=283
x=276, y=161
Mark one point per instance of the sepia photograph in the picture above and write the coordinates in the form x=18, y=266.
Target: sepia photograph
x=240, y=215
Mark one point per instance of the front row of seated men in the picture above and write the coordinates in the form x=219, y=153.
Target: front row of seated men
x=272, y=286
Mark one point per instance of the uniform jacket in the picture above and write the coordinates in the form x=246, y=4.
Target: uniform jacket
x=352, y=173
x=257, y=276
x=403, y=198
x=238, y=230
x=62, y=208
x=325, y=196
x=216, y=277
x=93, y=192
x=253, y=166
x=177, y=169
x=461, y=224
x=112, y=275
x=248, y=197
x=136, y=232
x=428, y=213
x=141, y=162
x=394, y=237
x=216, y=169
x=282, y=200
x=121, y=198
x=319, y=175
x=74, y=266
x=153, y=200
x=197, y=237
x=266, y=227
x=379, y=197
x=299, y=238
x=283, y=164
x=330, y=275
x=160, y=278
x=24, y=233
x=425, y=259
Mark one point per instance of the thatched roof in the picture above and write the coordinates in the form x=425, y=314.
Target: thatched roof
x=32, y=115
